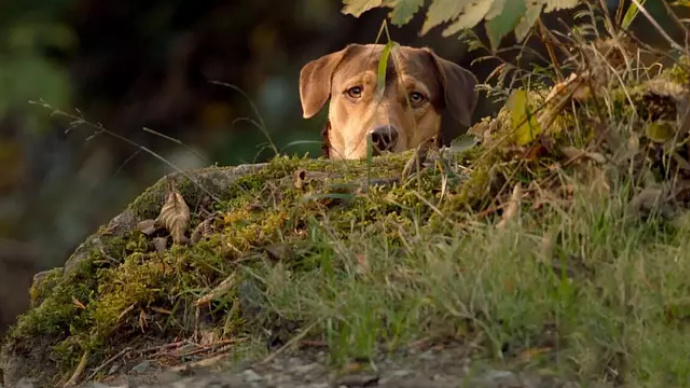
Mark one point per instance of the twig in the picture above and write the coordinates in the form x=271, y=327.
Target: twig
x=291, y=342
x=79, y=371
x=107, y=362
x=100, y=128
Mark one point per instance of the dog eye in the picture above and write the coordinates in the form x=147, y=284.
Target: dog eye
x=354, y=92
x=416, y=97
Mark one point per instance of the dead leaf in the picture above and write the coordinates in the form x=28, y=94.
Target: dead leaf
x=160, y=243
x=174, y=215
x=77, y=303
x=513, y=207
x=530, y=353
x=299, y=178
x=202, y=230
x=148, y=227
x=219, y=290
x=352, y=367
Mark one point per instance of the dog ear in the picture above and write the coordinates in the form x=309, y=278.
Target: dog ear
x=315, y=82
x=458, y=88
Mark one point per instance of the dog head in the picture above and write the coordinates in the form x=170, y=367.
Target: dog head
x=419, y=85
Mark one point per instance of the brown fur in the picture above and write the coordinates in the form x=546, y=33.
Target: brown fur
x=411, y=73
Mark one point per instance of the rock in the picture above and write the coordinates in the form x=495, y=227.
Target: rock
x=251, y=376
x=146, y=366
x=499, y=379
x=358, y=380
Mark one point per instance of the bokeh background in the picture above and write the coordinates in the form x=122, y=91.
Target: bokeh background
x=129, y=65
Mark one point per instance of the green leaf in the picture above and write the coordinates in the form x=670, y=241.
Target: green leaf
x=659, y=132
x=471, y=16
x=358, y=7
x=630, y=14
x=441, y=11
x=500, y=20
x=463, y=143
x=524, y=122
x=383, y=65
x=527, y=21
x=404, y=10
x=555, y=5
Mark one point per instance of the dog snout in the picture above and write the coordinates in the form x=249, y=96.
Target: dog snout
x=384, y=137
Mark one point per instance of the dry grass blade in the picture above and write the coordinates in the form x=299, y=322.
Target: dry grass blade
x=74, y=379
x=219, y=290
x=175, y=215
x=513, y=208
x=414, y=164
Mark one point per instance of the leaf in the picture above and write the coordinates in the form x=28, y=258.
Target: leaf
x=404, y=10
x=463, y=143
x=500, y=20
x=441, y=11
x=528, y=20
x=78, y=303
x=358, y=7
x=298, y=178
x=630, y=14
x=660, y=132
x=555, y=5
x=471, y=16
x=148, y=227
x=202, y=230
x=513, y=207
x=174, y=215
x=382, y=67
x=531, y=353
x=526, y=129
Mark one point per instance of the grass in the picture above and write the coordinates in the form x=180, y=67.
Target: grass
x=501, y=292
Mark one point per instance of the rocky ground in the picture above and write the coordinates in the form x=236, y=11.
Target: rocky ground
x=443, y=366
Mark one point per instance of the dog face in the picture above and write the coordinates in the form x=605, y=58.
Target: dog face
x=419, y=86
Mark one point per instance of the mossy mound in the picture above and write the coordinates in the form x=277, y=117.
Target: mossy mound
x=122, y=290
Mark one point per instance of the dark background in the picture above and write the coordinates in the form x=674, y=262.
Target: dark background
x=130, y=64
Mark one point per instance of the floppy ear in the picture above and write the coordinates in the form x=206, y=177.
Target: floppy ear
x=458, y=88
x=315, y=82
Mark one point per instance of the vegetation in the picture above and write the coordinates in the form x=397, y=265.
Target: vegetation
x=553, y=237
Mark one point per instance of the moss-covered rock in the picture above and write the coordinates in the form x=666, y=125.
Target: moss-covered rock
x=121, y=289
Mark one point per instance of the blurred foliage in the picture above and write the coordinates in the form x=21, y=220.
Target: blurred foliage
x=30, y=32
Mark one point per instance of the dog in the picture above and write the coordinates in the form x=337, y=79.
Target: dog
x=419, y=87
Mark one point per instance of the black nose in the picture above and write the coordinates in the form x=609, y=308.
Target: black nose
x=383, y=137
